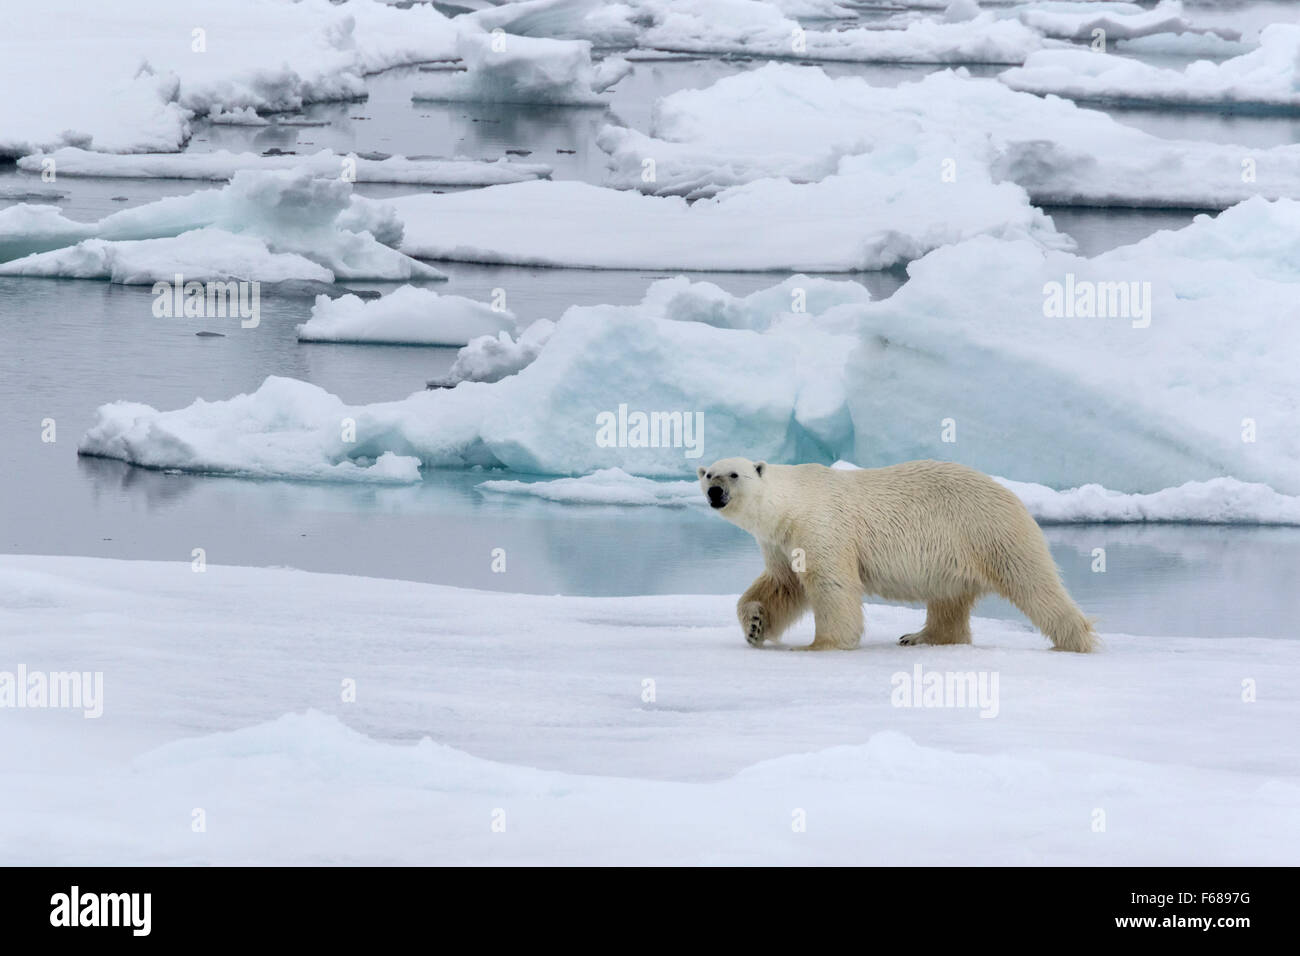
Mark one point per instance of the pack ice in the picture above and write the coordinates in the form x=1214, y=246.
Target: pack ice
x=1136, y=365
x=1217, y=501
x=144, y=69
x=706, y=140
x=753, y=28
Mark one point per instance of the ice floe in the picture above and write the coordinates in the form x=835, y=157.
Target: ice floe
x=1116, y=21
x=874, y=212
x=1218, y=501
x=222, y=165
x=145, y=70
x=736, y=27
x=609, y=486
x=709, y=139
x=407, y=316
x=754, y=28
x=513, y=69
x=490, y=358
x=1267, y=78
x=250, y=224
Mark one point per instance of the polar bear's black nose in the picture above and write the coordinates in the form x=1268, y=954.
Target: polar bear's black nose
x=717, y=497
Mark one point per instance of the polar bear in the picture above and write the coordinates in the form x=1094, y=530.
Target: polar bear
x=927, y=531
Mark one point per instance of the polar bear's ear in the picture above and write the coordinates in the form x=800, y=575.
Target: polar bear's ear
x=700, y=473
x=759, y=466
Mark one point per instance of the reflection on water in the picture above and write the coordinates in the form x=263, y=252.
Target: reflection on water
x=1158, y=579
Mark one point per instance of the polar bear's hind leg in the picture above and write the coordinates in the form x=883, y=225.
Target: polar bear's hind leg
x=1031, y=581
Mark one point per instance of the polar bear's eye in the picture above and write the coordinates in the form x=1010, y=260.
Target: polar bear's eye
x=734, y=475
x=707, y=476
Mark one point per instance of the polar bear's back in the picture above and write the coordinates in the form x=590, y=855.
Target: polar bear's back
x=921, y=527
x=913, y=488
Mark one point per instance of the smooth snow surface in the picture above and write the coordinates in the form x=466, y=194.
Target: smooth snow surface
x=902, y=213
x=645, y=720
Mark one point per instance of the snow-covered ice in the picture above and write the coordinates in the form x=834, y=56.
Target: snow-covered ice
x=263, y=226
x=1267, y=78
x=253, y=436
x=1143, y=346
x=1123, y=21
x=223, y=164
x=490, y=358
x=1151, y=383
x=1218, y=501
x=199, y=255
x=407, y=316
x=687, y=768
x=516, y=69
x=144, y=69
x=755, y=28
x=609, y=486
x=743, y=27
x=604, y=25
x=705, y=140
x=901, y=210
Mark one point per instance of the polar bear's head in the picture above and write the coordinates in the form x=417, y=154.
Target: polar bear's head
x=733, y=486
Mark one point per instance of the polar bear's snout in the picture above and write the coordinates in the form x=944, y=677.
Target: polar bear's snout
x=732, y=481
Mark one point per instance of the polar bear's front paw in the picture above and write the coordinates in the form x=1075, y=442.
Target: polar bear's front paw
x=753, y=622
x=911, y=640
